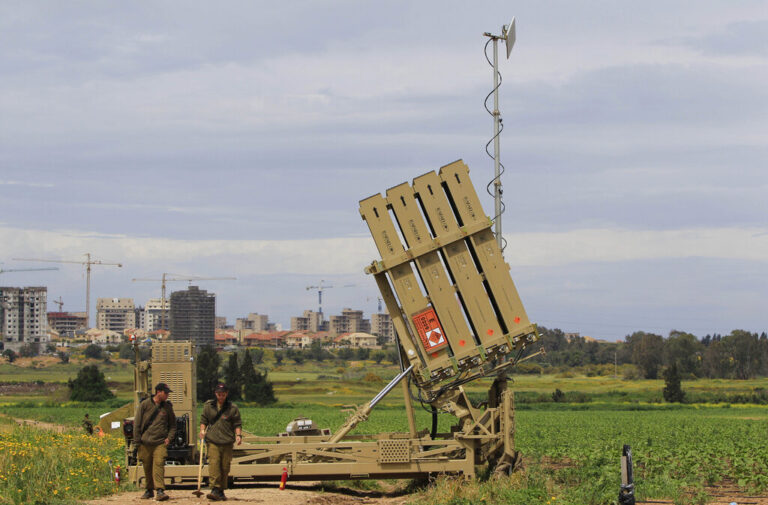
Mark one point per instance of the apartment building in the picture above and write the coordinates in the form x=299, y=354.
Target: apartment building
x=66, y=323
x=115, y=314
x=253, y=322
x=350, y=321
x=309, y=321
x=193, y=316
x=23, y=316
x=381, y=326
x=156, y=315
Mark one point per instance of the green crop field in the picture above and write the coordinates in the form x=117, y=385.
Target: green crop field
x=571, y=455
x=571, y=448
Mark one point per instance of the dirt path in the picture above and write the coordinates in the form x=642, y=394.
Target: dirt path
x=269, y=494
x=58, y=428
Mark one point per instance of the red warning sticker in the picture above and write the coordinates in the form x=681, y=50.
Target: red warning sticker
x=430, y=331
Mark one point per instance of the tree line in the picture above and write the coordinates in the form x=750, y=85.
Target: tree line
x=738, y=355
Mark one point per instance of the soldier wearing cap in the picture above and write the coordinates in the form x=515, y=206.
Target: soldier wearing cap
x=155, y=427
x=221, y=427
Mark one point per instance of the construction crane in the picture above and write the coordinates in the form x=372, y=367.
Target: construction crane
x=320, y=289
x=87, y=263
x=3, y=270
x=60, y=303
x=168, y=277
x=375, y=298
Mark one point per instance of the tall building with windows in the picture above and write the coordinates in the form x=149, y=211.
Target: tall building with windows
x=115, y=314
x=23, y=316
x=66, y=323
x=193, y=316
x=254, y=322
x=156, y=316
x=381, y=326
x=350, y=321
x=309, y=321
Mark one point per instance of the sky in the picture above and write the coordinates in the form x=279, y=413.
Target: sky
x=237, y=138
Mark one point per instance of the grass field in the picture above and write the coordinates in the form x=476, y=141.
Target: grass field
x=571, y=450
x=572, y=455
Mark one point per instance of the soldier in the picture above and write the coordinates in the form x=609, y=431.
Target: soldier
x=221, y=427
x=155, y=425
x=87, y=425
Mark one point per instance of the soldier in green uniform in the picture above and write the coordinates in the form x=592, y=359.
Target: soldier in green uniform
x=155, y=427
x=221, y=427
x=88, y=425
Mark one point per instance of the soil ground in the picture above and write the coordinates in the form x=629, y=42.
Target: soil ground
x=270, y=494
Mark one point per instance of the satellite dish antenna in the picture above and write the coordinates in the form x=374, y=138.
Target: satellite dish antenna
x=509, y=35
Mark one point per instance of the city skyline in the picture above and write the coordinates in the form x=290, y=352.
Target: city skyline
x=238, y=141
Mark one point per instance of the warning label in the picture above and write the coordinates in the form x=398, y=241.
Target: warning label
x=430, y=331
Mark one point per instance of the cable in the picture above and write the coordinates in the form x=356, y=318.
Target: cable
x=501, y=129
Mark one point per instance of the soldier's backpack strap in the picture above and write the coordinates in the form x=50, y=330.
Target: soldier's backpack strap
x=149, y=421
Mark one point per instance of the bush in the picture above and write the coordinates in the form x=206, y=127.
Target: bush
x=89, y=386
x=345, y=354
x=63, y=357
x=631, y=373
x=673, y=391
x=28, y=351
x=296, y=355
x=9, y=355
x=94, y=351
x=529, y=369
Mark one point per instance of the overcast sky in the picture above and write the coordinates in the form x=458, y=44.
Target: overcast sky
x=236, y=139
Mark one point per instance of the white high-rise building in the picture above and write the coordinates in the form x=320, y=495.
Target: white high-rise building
x=23, y=316
x=153, y=314
x=115, y=314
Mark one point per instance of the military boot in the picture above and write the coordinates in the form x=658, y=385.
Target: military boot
x=148, y=494
x=161, y=496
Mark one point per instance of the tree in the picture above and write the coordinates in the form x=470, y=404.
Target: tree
x=279, y=357
x=296, y=356
x=744, y=348
x=647, y=353
x=89, y=386
x=233, y=378
x=257, y=355
x=94, y=351
x=316, y=351
x=256, y=387
x=673, y=392
x=63, y=357
x=683, y=350
x=28, y=351
x=9, y=355
x=345, y=354
x=378, y=356
x=208, y=363
x=363, y=353
x=125, y=351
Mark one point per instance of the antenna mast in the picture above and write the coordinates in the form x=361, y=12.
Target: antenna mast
x=508, y=35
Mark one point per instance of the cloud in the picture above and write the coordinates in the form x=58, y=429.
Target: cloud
x=340, y=256
x=27, y=184
x=735, y=39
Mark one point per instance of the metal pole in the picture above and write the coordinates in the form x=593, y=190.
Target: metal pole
x=88, y=291
x=164, y=313
x=497, y=179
